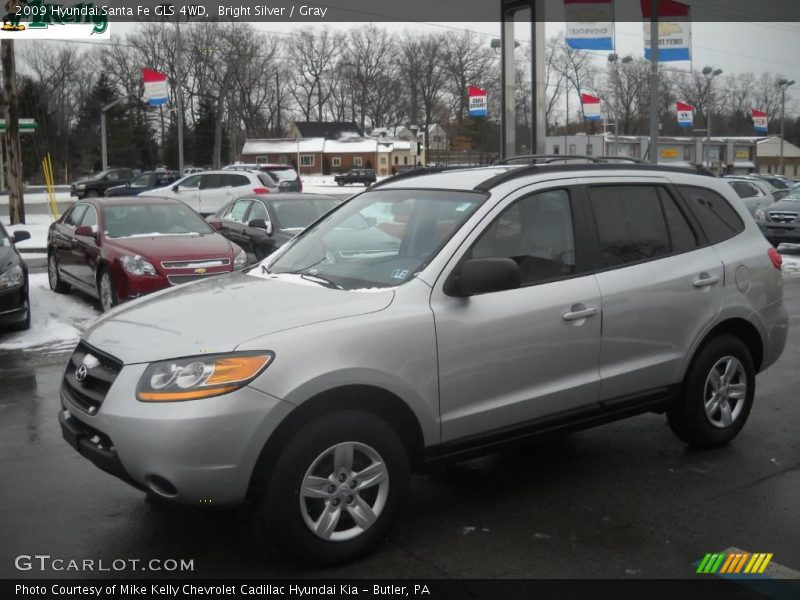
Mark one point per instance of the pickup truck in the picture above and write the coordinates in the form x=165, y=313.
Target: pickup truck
x=97, y=184
x=362, y=176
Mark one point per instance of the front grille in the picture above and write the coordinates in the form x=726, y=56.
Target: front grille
x=179, y=279
x=89, y=393
x=207, y=263
x=9, y=302
x=781, y=216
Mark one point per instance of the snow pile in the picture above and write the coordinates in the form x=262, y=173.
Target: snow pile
x=326, y=184
x=791, y=265
x=57, y=321
x=37, y=197
x=37, y=226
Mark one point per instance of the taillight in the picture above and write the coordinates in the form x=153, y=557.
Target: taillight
x=260, y=191
x=299, y=185
x=775, y=257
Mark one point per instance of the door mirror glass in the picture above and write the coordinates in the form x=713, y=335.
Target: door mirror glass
x=20, y=236
x=483, y=276
x=84, y=231
x=176, y=188
x=261, y=224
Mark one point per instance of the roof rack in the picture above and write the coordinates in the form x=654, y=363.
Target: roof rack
x=415, y=172
x=545, y=158
x=623, y=158
x=536, y=168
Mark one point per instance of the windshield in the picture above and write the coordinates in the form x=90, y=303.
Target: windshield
x=794, y=194
x=282, y=174
x=377, y=239
x=4, y=239
x=130, y=220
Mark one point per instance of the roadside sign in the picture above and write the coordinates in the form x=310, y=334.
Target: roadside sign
x=25, y=125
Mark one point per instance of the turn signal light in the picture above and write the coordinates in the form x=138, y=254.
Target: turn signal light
x=775, y=257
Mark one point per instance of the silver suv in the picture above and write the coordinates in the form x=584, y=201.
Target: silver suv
x=432, y=318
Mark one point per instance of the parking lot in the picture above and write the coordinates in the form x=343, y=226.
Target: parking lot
x=623, y=500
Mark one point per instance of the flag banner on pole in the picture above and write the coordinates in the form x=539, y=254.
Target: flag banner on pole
x=591, y=107
x=155, y=87
x=478, y=104
x=674, y=35
x=685, y=114
x=759, y=120
x=590, y=24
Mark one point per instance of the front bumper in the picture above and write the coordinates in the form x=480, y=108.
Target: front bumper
x=788, y=233
x=13, y=306
x=194, y=452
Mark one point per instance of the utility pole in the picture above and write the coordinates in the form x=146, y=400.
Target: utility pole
x=654, y=81
x=104, y=132
x=784, y=85
x=179, y=94
x=16, y=203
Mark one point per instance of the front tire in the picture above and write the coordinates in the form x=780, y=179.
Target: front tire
x=717, y=394
x=54, y=277
x=336, y=489
x=106, y=291
x=340, y=183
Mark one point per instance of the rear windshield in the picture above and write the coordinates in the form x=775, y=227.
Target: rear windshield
x=132, y=220
x=282, y=174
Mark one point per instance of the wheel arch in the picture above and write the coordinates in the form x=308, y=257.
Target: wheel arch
x=368, y=398
x=739, y=328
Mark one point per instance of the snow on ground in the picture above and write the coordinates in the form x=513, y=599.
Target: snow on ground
x=791, y=262
x=57, y=320
x=325, y=184
x=37, y=197
x=37, y=226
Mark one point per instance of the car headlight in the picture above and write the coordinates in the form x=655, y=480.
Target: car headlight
x=240, y=262
x=760, y=215
x=200, y=376
x=12, y=278
x=81, y=186
x=136, y=265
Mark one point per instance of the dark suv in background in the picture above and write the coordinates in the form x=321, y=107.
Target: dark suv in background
x=363, y=176
x=144, y=182
x=97, y=184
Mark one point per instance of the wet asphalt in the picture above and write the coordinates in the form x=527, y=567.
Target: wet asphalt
x=623, y=500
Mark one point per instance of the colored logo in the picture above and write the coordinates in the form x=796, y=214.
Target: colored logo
x=726, y=563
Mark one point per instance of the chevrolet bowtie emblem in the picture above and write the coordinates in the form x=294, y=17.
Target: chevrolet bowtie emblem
x=200, y=271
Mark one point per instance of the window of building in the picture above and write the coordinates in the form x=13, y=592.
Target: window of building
x=261, y=160
x=687, y=153
x=637, y=223
x=357, y=161
x=306, y=160
x=336, y=161
x=556, y=149
x=405, y=160
x=397, y=160
x=572, y=149
x=383, y=160
x=718, y=219
x=589, y=150
x=536, y=232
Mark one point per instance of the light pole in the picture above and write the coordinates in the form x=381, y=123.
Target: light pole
x=614, y=60
x=784, y=84
x=103, y=132
x=710, y=73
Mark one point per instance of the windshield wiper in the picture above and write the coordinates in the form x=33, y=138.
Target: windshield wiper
x=319, y=279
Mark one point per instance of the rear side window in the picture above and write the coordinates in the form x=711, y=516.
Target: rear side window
x=234, y=180
x=265, y=179
x=636, y=223
x=717, y=217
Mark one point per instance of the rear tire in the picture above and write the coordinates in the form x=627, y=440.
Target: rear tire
x=54, y=277
x=717, y=394
x=348, y=470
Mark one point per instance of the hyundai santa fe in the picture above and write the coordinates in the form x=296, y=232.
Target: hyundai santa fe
x=434, y=317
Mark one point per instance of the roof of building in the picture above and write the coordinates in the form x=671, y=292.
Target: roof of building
x=330, y=130
x=771, y=147
x=357, y=145
x=282, y=146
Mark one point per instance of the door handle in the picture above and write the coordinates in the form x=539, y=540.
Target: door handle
x=706, y=280
x=583, y=313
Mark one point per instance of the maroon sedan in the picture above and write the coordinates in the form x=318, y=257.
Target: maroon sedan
x=117, y=249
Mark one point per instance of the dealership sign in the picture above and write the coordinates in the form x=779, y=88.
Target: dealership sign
x=155, y=87
x=759, y=120
x=589, y=24
x=674, y=34
x=685, y=114
x=478, y=103
x=591, y=107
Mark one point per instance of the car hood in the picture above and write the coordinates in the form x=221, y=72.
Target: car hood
x=161, y=247
x=221, y=313
x=787, y=205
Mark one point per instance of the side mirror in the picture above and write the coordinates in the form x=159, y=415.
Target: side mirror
x=175, y=187
x=483, y=276
x=261, y=224
x=215, y=225
x=20, y=236
x=85, y=231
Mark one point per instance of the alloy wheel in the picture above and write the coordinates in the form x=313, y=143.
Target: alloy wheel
x=52, y=272
x=344, y=491
x=106, y=292
x=725, y=392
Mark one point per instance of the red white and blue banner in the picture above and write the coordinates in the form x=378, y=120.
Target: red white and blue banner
x=155, y=87
x=589, y=24
x=478, y=101
x=591, y=107
x=674, y=31
x=685, y=114
x=759, y=120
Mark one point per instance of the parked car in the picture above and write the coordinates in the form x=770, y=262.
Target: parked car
x=144, y=182
x=516, y=301
x=262, y=224
x=117, y=249
x=780, y=221
x=362, y=176
x=97, y=184
x=209, y=191
x=15, y=309
x=284, y=175
x=192, y=170
x=754, y=193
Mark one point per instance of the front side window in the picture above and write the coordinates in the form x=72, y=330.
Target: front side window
x=75, y=215
x=536, y=232
x=141, y=181
x=90, y=218
x=191, y=183
x=744, y=190
x=632, y=224
x=377, y=239
x=717, y=217
x=237, y=211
